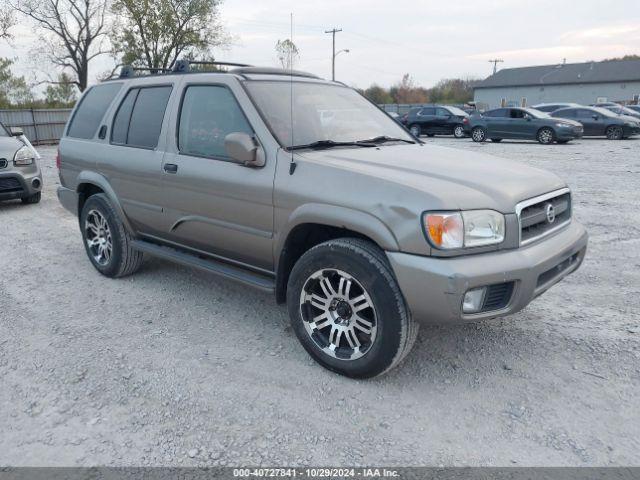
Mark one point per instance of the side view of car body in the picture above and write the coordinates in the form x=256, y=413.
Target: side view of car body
x=522, y=124
x=20, y=175
x=552, y=107
x=599, y=121
x=621, y=110
x=433, y=120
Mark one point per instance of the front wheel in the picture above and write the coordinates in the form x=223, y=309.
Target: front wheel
x=347, y=310
x=415, y=130
x=478, y=134
x=546, y=136
x=614, y=132
x=458, y=131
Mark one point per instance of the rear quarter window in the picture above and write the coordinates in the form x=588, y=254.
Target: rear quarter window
x=94, y=104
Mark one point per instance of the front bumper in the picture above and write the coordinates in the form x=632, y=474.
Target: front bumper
x=29, y=182
x=569, y=133
x=630, y=131
x=434, y=287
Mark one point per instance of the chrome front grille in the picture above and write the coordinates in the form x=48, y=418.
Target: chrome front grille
x=543, y=215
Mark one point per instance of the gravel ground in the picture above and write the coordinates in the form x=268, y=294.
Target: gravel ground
x=175, y=367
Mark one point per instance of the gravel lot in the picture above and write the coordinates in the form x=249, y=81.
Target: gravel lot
x=176, y=367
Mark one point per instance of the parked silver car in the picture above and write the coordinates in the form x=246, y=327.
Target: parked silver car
x=20, y=175
x=364, y=231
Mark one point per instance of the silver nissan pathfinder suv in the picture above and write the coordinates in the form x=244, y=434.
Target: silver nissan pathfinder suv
x=303, y=188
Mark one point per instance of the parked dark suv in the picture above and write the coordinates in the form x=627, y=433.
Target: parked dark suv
x=433, y=120
x=601, y=122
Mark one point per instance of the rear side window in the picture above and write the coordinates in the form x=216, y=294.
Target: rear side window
x=441, y=112
x=565, y=113
x=208, y=114
x=94, y=104
x=428, y=111
x=498, y=113
x=584, y=114
x=139, y=118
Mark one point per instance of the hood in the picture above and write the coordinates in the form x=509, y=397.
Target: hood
x=453, y=178
x=9, y=146
x=629, y=118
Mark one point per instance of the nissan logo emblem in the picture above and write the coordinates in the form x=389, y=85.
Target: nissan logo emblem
x=551, y=213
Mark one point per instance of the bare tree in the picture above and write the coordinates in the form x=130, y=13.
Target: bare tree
x=73, y=32
x=287, y=53
x=7, y=20
x=153, y=34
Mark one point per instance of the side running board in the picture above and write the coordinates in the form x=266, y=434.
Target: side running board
x=256, y=280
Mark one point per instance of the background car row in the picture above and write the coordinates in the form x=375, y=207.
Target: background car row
x=546, y=123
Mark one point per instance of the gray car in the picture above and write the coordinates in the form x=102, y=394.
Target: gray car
x=598, y=121
x=20, y=175
x=522, y=124
x=362, y=230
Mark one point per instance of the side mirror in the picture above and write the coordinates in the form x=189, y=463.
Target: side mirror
x=244, y=149
x=527, y=118
x=16, y=131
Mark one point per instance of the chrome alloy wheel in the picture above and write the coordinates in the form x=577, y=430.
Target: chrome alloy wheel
x=458, y=131
x=98, y=237
x=415, y=130
x=478, y=134
x=546, y=136
x=338, y=314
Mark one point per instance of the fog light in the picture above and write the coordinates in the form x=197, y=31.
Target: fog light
x=473, y=299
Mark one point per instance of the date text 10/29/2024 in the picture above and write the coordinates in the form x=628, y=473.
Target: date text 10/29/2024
x=315, y=472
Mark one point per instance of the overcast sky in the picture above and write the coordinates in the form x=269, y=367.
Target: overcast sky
x=428, y=39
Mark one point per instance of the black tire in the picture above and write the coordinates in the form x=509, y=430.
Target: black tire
x=31, y=199
x=123, y=260
x=478, y=134
x=366, y=264
x=415, y=130
x=431, y=135
x=496, y=140
x=546, y=136
x=614, y=132
x=458, y=131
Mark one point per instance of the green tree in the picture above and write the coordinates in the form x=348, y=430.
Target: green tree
x=62, y=94
x=378, y=95
x=14, y=90
x=154, y=34
x=288, y=54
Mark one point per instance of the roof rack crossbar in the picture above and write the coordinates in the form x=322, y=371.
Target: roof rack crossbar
x=128, y=71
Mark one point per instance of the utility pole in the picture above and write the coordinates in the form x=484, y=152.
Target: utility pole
x=333, y=55
x=495, y=62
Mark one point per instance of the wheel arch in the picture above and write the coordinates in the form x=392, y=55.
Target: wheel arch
x=311, y=225
x=91, y=183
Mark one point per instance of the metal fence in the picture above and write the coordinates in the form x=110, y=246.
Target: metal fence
x=41, y=126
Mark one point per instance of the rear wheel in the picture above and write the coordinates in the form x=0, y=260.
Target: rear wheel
x=106, y=240
x=347, y=310
x=614, y=132
x=31, y=199
x=478, y=134
x=415, y=130
x=546, y=136
x=458, y=131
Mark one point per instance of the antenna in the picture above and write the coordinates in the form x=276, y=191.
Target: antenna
x=292, y=165
x=495, y=62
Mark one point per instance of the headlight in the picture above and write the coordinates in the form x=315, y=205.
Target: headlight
x=24, y=156
x=562, y=125
x=473, y=228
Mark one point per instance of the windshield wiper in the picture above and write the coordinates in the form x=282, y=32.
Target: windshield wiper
x=385, y=139
x=321, y=144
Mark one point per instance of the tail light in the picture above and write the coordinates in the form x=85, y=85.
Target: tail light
x=58, y=159
x=465, y=120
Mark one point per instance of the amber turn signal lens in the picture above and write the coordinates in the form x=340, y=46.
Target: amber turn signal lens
x=445, y=230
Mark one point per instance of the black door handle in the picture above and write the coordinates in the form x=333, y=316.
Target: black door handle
x=170, y=168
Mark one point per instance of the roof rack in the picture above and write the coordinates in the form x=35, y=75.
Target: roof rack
x=184, y=66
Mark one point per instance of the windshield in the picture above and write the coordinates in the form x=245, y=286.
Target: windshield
x=321, y=112
x=457, y=111
x=537, y=113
